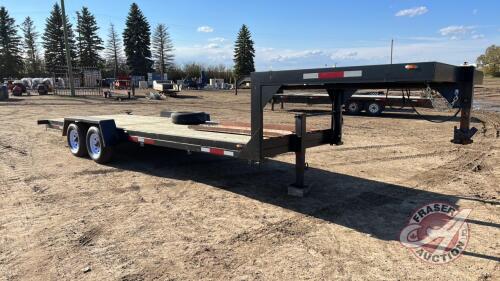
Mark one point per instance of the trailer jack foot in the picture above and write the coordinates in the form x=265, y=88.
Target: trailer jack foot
x=298, y=191
x=463, y=137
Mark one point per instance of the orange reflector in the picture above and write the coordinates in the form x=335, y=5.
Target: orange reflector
x=411, y=66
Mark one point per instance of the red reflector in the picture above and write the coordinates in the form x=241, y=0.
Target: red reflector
x=330, y=75
x=217, y=151
x=411, y=66
x=141, y=140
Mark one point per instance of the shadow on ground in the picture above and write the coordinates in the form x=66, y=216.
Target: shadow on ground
x=10, y=99
x=376, y=208
x=183, y=96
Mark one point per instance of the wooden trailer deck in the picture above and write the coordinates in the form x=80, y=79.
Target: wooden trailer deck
x=229, y=132
x=161, y=126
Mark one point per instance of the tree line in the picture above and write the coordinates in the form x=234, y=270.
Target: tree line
x=489, y=62
x=137, y=51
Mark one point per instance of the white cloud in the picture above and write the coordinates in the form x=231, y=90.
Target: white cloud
x=264, y=49
x=217, y=39
x=287, y=55
x=360, y=54
x=208, y=54
x=205, y=28
x=478, y=36
x=343, y=54
x=413, y=12
x=448, y=51
x=212, y=46
x=266, y=58
x=423, y=38
x=456, y=30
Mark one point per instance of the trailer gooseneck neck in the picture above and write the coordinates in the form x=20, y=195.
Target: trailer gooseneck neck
x=259, y=142
x=344, y=81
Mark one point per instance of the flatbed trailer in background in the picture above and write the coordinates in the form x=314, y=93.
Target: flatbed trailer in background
x=97, y=135
x=374, y=103
x=120, y=90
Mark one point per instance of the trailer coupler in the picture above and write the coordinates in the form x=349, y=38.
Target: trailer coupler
x=463, y=136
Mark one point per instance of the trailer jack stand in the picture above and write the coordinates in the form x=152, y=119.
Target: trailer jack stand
x=463, y=136
x=298, y=188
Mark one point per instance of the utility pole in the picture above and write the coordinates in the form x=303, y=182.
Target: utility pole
x=68, y=54
x=392, y=48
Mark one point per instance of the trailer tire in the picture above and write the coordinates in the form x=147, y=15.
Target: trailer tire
x=75, y=134
x=374, y=108
x=189, y=118
x=95, y=146
x=17, y=91
x=353, y=107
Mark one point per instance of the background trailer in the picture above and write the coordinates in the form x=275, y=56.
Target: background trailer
x=96, y=135
x=373, y=102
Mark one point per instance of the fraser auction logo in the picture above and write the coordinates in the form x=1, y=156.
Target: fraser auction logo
x=437, y=232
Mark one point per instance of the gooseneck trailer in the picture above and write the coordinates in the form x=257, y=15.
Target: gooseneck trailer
x=97, y=135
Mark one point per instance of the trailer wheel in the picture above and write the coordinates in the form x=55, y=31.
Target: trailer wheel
x=353, y=107
x=75, y=135
x=17, y=91
x=374, y=108
x=95, y=146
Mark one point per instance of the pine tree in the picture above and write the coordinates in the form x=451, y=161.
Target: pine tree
x=113, y=53
x=53, y=41
x=162, y=48
x=89, y=43
x=32, y=57
x=136, y=40
x=244, y=53
x=11, y=63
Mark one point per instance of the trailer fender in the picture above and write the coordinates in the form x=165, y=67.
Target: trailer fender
x=110, y=134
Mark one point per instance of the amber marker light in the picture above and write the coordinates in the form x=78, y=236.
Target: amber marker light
x=411, y=66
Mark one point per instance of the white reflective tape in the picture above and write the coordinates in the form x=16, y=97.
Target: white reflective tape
x=228, y=153
x=205, y=149
x=310, y=76
x=354, y=73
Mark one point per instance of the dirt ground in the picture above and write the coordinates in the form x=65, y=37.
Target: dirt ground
x=157, y=214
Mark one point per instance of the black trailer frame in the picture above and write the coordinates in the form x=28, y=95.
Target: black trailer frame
x=338, y=82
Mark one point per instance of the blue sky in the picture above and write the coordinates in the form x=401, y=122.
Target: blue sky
x=302, y=34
